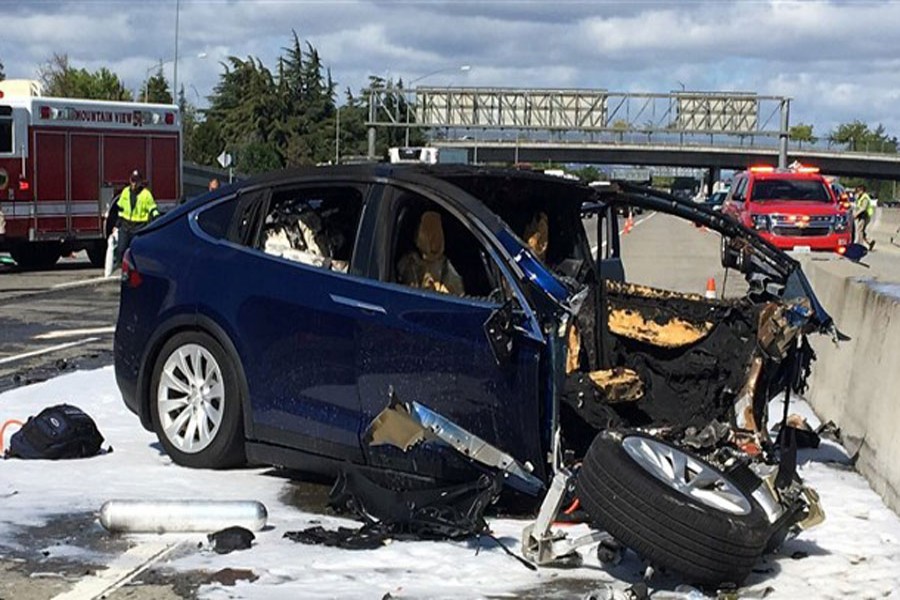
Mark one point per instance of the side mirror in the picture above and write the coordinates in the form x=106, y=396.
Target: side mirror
x=853, y=252
x=500, y=331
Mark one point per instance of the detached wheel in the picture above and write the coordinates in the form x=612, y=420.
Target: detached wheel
x=195, y=403
x=672, y=507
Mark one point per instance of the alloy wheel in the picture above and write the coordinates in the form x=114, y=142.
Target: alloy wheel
x=191, y=398
x=687, y=475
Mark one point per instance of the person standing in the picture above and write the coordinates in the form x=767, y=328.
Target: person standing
x=136, y=208
x=863, y=214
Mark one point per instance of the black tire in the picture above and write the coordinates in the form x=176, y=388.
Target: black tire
x=672, y=529
x=225, y=446
x=729, y=261
x=97, y=253
x=36, y=255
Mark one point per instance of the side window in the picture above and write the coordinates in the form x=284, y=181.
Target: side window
x=313, y=225
x=233, y=219
x=740, y=190
x=216, y=220
x=435, y=251
x=6, y=130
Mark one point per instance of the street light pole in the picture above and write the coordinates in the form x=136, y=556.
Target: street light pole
x=175, y=69
x=337, y=137
x=461, y=68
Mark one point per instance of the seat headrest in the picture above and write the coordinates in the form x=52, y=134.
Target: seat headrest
x=430, y=237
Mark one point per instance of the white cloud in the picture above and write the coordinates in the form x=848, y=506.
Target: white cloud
x=836, y=59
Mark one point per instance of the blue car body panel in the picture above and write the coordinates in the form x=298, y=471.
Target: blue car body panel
x=320, y=350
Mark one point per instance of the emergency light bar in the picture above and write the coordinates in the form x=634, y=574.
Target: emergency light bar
x=762, y=169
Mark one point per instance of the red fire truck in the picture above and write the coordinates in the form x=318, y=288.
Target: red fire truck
x=63, y=160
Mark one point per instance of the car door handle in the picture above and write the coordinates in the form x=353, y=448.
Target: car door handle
x=353, y=303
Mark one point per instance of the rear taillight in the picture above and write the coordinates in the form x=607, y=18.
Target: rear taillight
x=130, y=274
x=24, y=184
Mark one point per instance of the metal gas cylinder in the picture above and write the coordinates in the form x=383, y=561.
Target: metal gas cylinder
x=162, y=516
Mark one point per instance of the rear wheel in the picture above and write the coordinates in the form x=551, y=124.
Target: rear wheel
x=36, y=255
x=196, y=402
x=97, y=253
x=672, y=507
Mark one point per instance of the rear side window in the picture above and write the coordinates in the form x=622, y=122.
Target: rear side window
x=6, y=130
x=216, y=220
x=790, y=189
x=234, y=219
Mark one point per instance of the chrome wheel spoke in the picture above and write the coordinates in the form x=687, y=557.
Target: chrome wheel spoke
x=190, y=432
x=216, y=391
x=177, y=424
x=183, y=365
x=171, y=381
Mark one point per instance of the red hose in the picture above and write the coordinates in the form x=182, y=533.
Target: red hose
x=572, y=507
x=3, y=430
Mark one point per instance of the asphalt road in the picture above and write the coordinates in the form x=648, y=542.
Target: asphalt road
x=670, y=253
x=55, y=320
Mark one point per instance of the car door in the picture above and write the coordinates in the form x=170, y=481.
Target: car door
x=734, y=204
x=431, y=347
x=277, y=302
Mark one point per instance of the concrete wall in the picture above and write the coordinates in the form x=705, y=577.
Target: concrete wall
x=857, y=384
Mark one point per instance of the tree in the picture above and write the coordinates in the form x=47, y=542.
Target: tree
x=857, y=136
x=156, y=89
x=802, y=132
x=273, y=118
x=58, y=78
x=589, y=174
x=620, y=126
x=2, y=74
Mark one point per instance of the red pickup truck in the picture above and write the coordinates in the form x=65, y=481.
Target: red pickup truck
x=792, y=208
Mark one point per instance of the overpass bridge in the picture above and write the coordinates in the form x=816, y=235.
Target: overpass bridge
x=714, y=130
x=832, y=162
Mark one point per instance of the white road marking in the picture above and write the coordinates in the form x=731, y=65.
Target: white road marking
x=56, y=348
x=81, y=283
x=121, y=571
x=64, y=333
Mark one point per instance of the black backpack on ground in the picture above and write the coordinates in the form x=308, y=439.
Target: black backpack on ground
x=61, y=431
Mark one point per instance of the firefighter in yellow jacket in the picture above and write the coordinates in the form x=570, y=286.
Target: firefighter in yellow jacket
x=136, y=208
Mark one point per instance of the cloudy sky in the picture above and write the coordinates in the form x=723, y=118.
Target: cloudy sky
x=838, y=60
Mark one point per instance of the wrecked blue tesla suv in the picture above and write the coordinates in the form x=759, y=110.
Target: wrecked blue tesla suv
x=381, y=315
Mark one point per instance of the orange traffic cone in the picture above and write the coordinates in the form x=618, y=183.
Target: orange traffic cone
x=711, y=288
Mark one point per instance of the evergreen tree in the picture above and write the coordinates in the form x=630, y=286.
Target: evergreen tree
x=61, y=80
x=156, y=89
x=2, y=74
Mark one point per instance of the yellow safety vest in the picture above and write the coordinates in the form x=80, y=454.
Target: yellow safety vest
x=144, y=208
x=864, y=202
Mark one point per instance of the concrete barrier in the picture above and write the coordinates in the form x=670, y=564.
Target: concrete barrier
x=885, y=228
x=857, y=384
